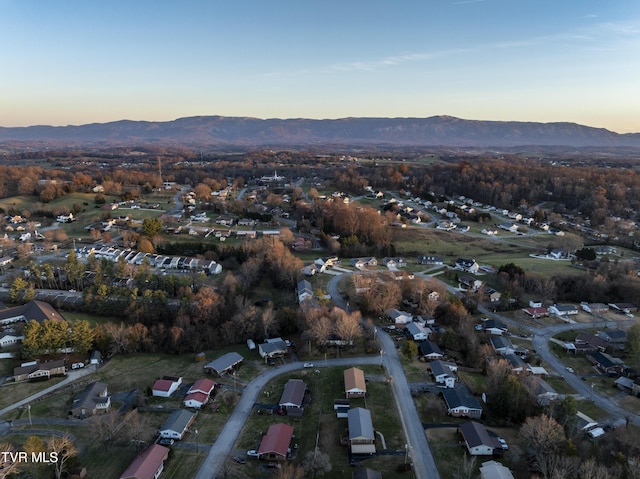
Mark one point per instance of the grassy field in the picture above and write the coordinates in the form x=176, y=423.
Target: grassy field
x=415, y=241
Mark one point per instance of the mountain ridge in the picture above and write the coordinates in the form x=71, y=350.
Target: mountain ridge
x=440, y=130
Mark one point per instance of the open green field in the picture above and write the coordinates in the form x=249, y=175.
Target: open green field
x=319, y=421
x=417, y=241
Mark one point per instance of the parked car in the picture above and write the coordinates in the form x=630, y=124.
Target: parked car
x=308, y=365
x=166, y=441
x=570, y=369
x=502, y=443
x=253, y=453
x=239, y=460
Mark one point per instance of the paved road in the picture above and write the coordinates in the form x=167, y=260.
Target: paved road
x=540, y=342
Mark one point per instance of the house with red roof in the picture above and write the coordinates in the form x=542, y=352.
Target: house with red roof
x=204, y=385
x=196, y=400
x=199, y=393
x=148, y=465
x=275, y=444
x=166, y=386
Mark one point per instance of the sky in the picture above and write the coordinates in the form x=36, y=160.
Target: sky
x=76, y=61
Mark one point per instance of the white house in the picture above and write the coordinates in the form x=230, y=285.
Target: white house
x=166, y=386
x=399, y=317
x=477, y=439
x=563, y=309
x=177, y=424
x=418, y=332
x=444, y=372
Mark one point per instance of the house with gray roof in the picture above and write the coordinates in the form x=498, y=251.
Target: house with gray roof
x=361, y=435
x=477, y=439
x=293, y=395
x=93, y=399
x=461, y=403
x=177, y=424
x=444, y=372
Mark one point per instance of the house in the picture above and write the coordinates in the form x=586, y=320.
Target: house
x=195, y=400
x=293, y=395
x=275, y=444
x=204, y=385
x=147, y=465
x=492, y=295
x=623, y=308
x=467, y=265
x=477, y=439
x=361, y=436
x=536, y=312
x=495, y=327
x=199, y=393
x=470, y=283
x=305, y=291
x=431, y=260
x=510, y=227
x=93, y=399
x=594, y=308
x=625, y=384
x=272, y=348
x=177, y=424
x=586, y=343
x=444, y=372
x=166, y=386
x=584, y=422
x=399, y=317
x=541, y=390
x=355, y=385
x=502, y=345
x=614, y=336
x=36, y=310
x=361, y=263
x=607, y=364
x=36, y=370
x=461, y=403
x=418, y=332
x=429, y=350
x=224, y=364
x=9, y=337
x=563, y=310
x=518, y=366
x=394, y=262
x=494, y=470
x=311, y=269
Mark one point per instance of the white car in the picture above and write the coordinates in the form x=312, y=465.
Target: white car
x=253, y=453
x=308, y=365
x=503, y=443
x=570, y=369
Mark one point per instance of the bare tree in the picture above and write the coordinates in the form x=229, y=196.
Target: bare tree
x=65, y=449
x=317, y=463
x=290, y=471
x=543, y=435
x=8, y=467
x=465, y=469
